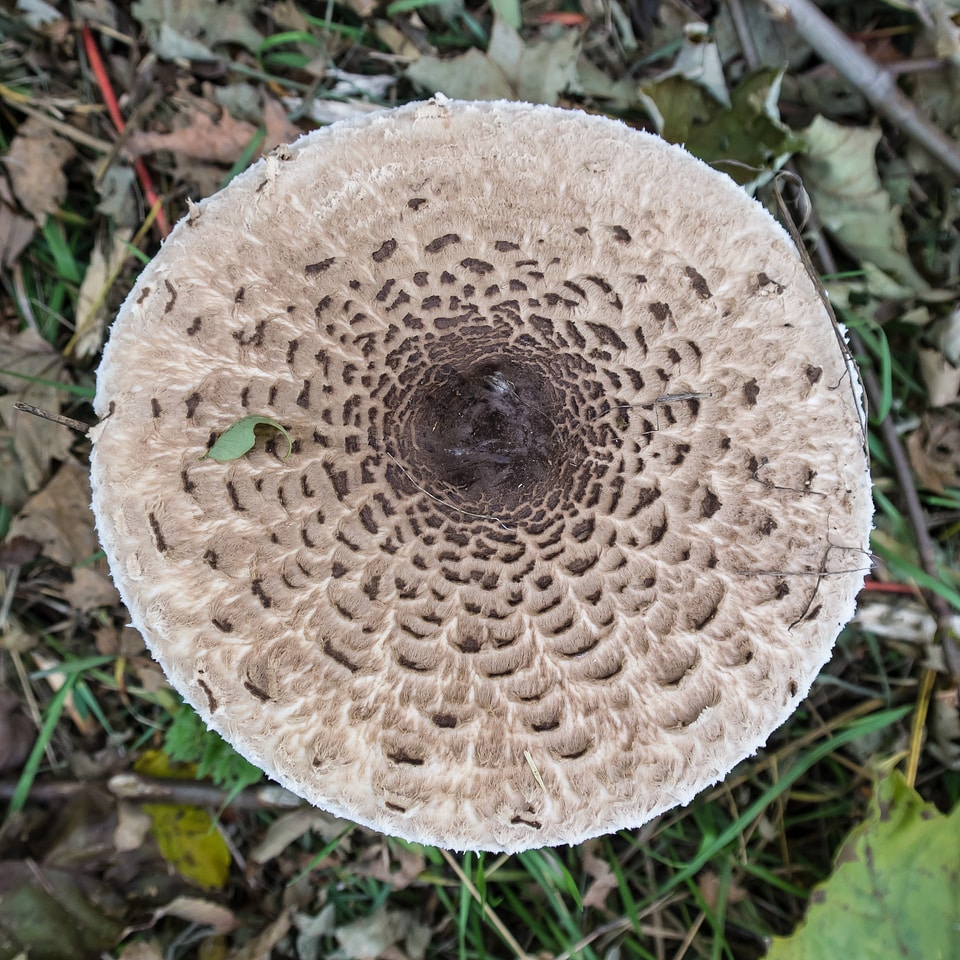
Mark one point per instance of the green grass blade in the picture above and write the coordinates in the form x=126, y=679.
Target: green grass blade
x=909, y=571
x=509, y=12
x=323, y=854
x=859, y=728
x=30, y=768
x=87, y=393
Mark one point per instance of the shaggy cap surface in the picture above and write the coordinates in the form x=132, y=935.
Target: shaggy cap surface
x=577, y=501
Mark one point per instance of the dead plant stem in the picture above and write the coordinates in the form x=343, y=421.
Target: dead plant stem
x=908, y=489
x=877, y=84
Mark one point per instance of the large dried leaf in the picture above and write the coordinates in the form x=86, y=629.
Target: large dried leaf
x=290, y=827
x=934, y=449
x=895, y=890
x=36, y=442
x=372, y=935
x=603, y=880
x=840, y=174
x=205, y=913
x=261, y=946
x=16, y=231
x=90, y=589
x=538, y=72
x=105, y=265
x=391, y=863
x=35, y=163
x=59, y=517
x=201, y=136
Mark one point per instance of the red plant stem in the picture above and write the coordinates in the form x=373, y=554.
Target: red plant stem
x=877, y=586
x=113, y=108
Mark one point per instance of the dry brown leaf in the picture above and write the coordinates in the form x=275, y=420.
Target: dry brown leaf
x=362, y=8
x=149, y=675
x=288, y=16
x=125, y=642
x=391, y=863
x=291, y=826
x=603, y=883
x=279, y=128
x=55, y=677
x=709, y=884
x=13, y=487
x=104, y=267
x=203, y=912
x=142, y=950
x=19, y=550
x=90, y=589
x=202, y=137
x=945, y=728
x=59, y=517
x=133, y=827
x=934, y=449
x=35, y=163
x=375, y=935
x=261, y=946
x=36, y=442
x=941, y=377
x=16, y=231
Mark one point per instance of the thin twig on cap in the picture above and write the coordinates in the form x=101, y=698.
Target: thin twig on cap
x=77, y=425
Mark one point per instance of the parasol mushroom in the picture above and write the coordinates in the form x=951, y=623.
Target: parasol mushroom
x=576, y=499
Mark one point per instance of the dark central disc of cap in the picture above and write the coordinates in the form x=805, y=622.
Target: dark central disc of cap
x=486, y=435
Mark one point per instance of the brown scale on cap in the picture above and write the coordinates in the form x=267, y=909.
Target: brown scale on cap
x=577, y=500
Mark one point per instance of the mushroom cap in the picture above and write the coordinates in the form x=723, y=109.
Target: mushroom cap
x=577, y=500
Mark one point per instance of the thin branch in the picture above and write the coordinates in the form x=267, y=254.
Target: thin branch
x=904, y=475
x=139, y=789
x=813, y=24
x=877, y=84
x=77, y=425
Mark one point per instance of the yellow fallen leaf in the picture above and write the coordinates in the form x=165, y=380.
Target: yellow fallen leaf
x=186, y=836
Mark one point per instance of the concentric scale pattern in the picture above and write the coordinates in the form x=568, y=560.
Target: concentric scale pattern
x=577, y=499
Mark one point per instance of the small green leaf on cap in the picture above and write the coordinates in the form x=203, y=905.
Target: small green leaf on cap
x=239, y=439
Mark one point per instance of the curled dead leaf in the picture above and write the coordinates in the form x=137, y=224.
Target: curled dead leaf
x=35, y=443
x=602, y=882
x=200, y=136
x=59, y=517
x=200, y=911
x=90, y=589
x=391, y=863
x=709, y=884
x=934, y=450
x=16, y=231
x=35, y=163
x=19, y=550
